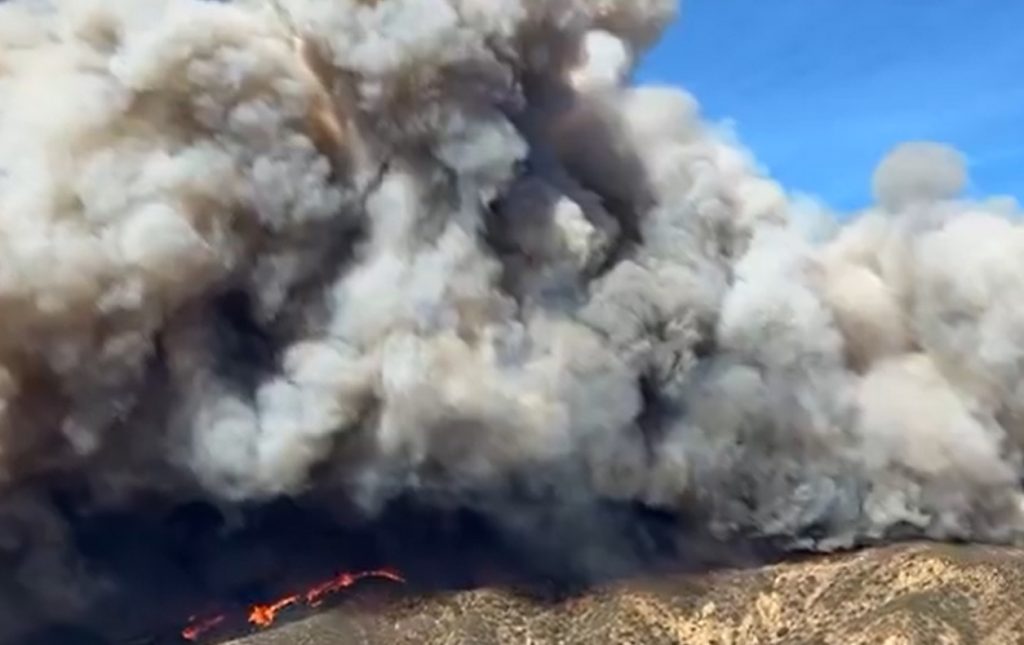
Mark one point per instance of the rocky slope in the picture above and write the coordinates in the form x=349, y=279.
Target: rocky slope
x=916, y=593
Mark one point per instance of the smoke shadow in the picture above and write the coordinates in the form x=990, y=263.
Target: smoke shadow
x=158, y=563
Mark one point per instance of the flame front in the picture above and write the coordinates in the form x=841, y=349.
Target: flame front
x=264, y=615
x=315, y=596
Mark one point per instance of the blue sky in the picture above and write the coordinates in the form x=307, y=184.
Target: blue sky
x=821, y=89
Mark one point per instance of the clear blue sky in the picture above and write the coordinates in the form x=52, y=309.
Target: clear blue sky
x=821, y=89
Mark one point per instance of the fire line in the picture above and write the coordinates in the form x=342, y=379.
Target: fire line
x=264, y=615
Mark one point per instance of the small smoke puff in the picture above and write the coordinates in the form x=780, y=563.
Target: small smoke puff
x=659, y=115
x=919, y=172
x=580, y=238
x=606, y=61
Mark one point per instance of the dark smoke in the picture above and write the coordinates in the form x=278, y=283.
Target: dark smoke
x=372, y=253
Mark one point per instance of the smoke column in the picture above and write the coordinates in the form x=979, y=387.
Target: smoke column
x=368, y=248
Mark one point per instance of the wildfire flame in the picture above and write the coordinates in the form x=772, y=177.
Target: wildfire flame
x=197, y=627
x=264, y=615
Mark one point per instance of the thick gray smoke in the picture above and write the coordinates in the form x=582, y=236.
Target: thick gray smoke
x=445, y=247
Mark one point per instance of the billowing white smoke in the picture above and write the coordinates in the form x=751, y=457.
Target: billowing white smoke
x=440, y=246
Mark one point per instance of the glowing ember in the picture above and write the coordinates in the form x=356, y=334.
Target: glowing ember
x=197, y=628
x=264, y=615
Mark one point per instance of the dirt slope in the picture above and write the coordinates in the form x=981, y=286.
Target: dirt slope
x=903, y=594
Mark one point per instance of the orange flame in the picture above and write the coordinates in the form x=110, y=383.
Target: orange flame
x=197, y=628
x=315, y=596
x=264, y=615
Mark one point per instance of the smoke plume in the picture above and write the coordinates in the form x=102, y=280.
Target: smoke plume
x=362, y=249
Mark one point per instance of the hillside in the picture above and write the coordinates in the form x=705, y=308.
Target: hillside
x=919, y=593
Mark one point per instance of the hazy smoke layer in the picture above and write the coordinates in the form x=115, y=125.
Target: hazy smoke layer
x=444, y=246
